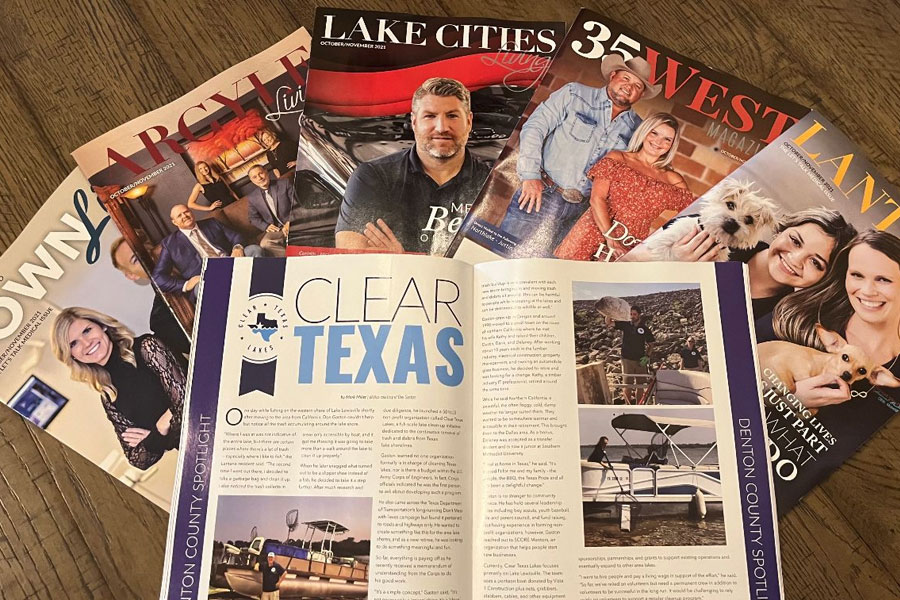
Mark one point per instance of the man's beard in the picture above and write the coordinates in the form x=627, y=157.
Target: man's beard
x=433, y=151
x=619, y=99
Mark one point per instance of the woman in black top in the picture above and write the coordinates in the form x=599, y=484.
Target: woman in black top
x=860, y=300
x=282, y=157
x=212, y=187
x=798, y=256
x=141, y=383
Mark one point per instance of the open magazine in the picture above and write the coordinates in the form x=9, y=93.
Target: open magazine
x=72, y=298
x=405, y=114
x=385, y=424
x=620, y=135
x=817, y=226
x=207, y=175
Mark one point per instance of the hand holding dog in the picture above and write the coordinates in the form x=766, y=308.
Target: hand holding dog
x=697, y=246
x=819, y=390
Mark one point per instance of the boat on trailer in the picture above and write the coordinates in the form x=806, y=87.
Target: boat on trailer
x=651, y=480
x=312, y=569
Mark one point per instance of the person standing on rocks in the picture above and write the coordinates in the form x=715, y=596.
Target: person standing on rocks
x=691, y=360
x=636, y=340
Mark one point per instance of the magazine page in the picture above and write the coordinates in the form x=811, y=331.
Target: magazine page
x=329, y=437
x=823, y=274
x=80, y=326
x=205, y=175
x=404, y=117
x=621, y=439
x=620, y=135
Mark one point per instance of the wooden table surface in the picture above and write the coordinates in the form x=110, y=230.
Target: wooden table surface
x=71, y=70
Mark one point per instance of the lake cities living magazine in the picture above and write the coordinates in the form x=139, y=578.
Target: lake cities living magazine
x=404, y=116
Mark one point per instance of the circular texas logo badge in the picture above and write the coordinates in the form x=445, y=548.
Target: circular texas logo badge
x=262, y=325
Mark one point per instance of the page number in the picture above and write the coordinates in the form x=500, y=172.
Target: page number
x=623, y=44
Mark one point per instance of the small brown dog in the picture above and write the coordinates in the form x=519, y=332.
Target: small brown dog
x=792, y=362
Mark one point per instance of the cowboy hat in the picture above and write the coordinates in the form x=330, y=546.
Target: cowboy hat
x=638, y=67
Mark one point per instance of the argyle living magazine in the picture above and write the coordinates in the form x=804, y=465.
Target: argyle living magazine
x=208, y=174
x=823, y=271
x=388, y=425
x=404, y=116
x=72, y=298
x=620, y=135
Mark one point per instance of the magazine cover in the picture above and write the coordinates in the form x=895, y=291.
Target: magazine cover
x=207, y=175
x=824, y=268
x=88, y=351
x=401, y=426
x=404, y=117
x=620, y=136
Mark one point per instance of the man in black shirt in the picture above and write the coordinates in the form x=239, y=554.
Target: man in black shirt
x=636, y=338
x=272, y=576
x=690, y=356
x=414, y=200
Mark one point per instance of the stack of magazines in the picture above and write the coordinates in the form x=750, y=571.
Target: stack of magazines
x=473, y=377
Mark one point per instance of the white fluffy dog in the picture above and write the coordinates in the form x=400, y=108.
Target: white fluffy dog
x=733, y=212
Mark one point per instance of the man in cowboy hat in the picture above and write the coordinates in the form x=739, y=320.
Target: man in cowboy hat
x=566, y=134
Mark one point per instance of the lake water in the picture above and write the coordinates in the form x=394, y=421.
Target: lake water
x=676, y=529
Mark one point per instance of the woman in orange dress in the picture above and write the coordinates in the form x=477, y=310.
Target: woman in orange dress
x=630, y=190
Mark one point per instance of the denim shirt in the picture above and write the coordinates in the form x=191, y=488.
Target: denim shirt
x=570, y=131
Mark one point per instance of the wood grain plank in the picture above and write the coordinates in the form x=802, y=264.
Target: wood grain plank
x=70, y=70
x=29, y=169
x=38, y=529
x=866, y=493
x=85, y=66
x=75, y=521
x=848, y=52
x=214, y=43
x=825, y=557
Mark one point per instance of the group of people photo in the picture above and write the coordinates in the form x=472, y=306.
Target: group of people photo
x=140, y=379
x=818, y=273
x=842, y=299
x=593, y=173
x=248, y=216
x=637, y=355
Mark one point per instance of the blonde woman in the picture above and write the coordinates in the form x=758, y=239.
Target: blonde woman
x=282, y=157
x=212, y=187
x=140, y=382
x=631, y=188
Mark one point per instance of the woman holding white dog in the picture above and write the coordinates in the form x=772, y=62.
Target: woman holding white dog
x=799, y=255
x=859, y=299
x=633, y=188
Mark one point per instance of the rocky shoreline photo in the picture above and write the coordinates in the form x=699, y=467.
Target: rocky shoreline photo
x=673, y=316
